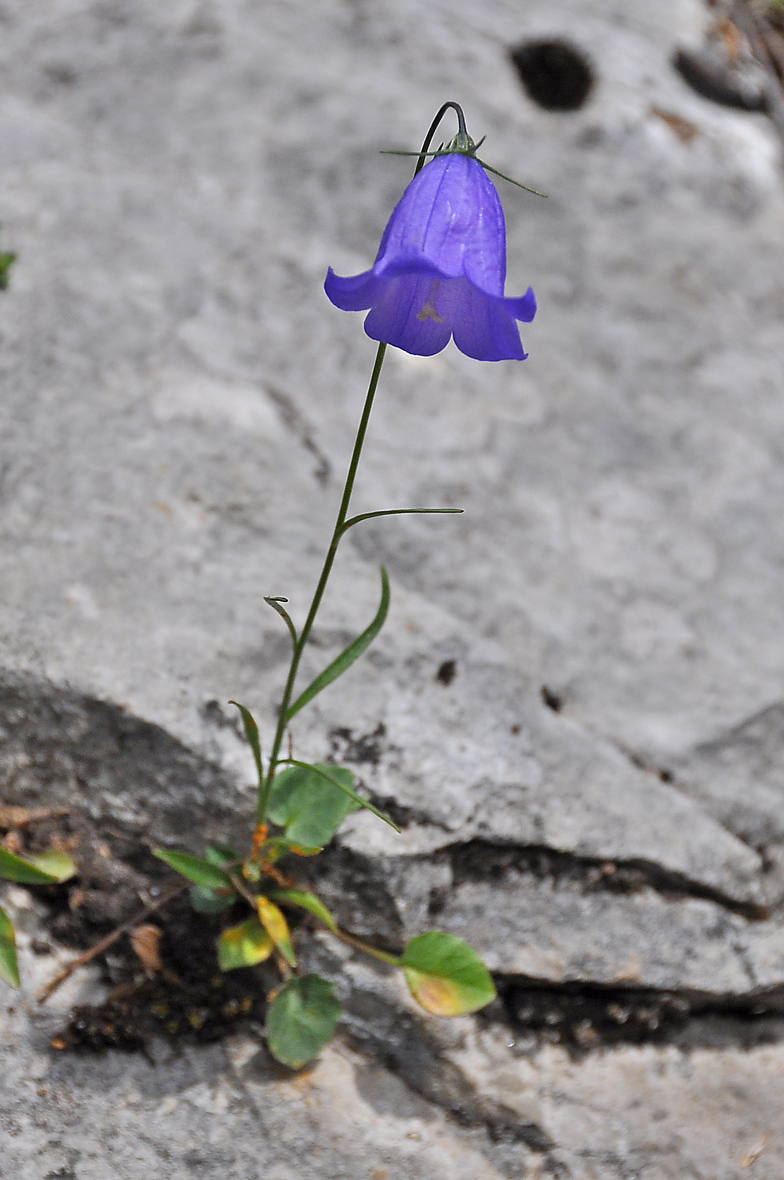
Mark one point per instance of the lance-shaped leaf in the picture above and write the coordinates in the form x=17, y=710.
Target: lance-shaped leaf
x=301, y=1019
x=9, y=969
x=43, y=869
x=244, y=945
x=347, y=657
x=196, y=868
x=306, y=901
x=252, y=736
x=309, y=817
x=277, y=927
x=445, y=975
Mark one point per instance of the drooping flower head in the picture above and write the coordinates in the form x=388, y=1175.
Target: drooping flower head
x=441, y=266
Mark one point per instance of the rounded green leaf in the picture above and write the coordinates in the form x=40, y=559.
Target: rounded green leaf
x=445, y=975
x=308, y=806
x=244, y=945
x=195, y=868
x=9, y=969
x=301, y=1019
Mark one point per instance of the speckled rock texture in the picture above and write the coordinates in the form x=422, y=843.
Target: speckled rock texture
x=576, y=706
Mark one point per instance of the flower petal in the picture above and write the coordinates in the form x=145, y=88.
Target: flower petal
x=353, y=293
x=451, y=215
x=409, y=315
x=484, y=327
x=523, y=308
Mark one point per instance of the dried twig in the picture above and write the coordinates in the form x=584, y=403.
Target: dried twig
x=47, y=990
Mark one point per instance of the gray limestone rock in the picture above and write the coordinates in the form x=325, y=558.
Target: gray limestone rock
x=575, y=707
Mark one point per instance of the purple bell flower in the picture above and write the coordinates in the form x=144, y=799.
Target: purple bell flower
x=440, y=269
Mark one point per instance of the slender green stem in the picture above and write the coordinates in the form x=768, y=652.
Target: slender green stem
x=299, y=646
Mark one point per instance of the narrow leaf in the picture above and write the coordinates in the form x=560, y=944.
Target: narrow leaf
x=445, y=975
x=244, y=945
x=301, y=1019
x=195, y=868
x=9, y=968
x=277, y=927
x=220, y=854
x=275, y=603
x=25, y=871
x=399, y=512
x=336, y=776
x=347, y=657
x=306, y=901
x=252, y=736
x=56, y=863
x=6, y=262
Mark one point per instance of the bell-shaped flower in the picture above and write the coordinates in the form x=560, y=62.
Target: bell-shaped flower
x=441, y=268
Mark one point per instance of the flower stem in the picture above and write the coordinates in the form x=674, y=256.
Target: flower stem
x=266, y=785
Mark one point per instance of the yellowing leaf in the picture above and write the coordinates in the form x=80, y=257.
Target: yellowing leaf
x=244, y=945
x=445, y=975
x=277, y=927
x=9, y=970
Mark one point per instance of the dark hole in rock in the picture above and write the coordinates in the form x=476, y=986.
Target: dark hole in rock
x=720, y=81
x=447, y=672
x=555, y=74
x=551, y=699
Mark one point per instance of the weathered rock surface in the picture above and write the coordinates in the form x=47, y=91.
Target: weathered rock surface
x=178, y=402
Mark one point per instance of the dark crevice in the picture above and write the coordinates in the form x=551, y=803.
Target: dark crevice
x=479, y=860
x=585, y=1017
x=298, y=425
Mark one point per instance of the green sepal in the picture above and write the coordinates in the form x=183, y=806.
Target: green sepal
x=306, y=901
x=9, y=968
x=349, y=655
x=243, y=945
x=45, y=868
x=196, y=868
x=301, y=1019
x=445, y=975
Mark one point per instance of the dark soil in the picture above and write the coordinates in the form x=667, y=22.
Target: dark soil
x=186, y=996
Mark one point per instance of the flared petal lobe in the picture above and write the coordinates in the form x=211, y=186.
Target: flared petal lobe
x=440, y=269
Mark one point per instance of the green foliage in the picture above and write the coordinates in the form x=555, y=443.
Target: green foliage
x=306, y=901
x=349, y=655
x=310, y=803
x=6, y=262
x=324, y=775
x=196, y=868
x=211, y=901
x=244, y=945
x=252, y=736
x=9, y=969
x=445, y=975
x=301, y=1019
x=45, y=868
